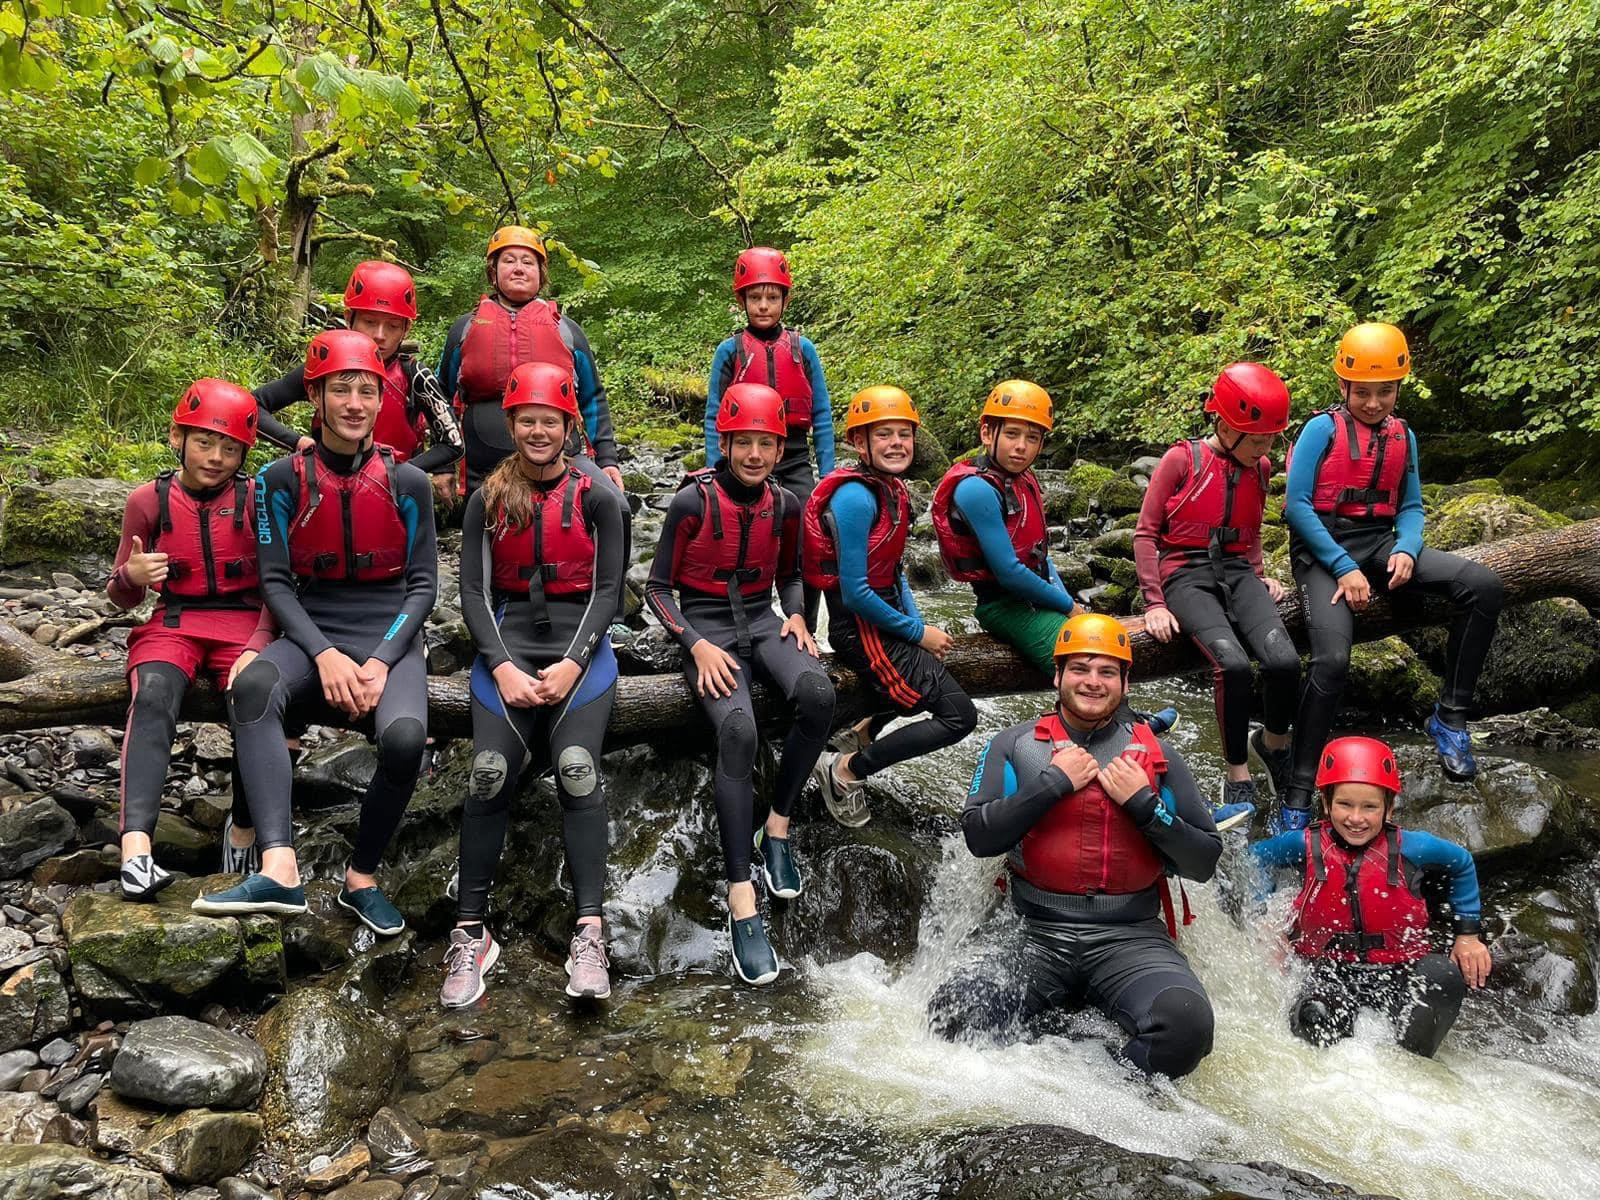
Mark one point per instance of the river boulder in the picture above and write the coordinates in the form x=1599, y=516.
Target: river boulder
x=34, y=1005
x=70, y=520
x=196, y=1145
x=31, y=833
x=180, y=1063
x=1511, y=816
x=34, y=1172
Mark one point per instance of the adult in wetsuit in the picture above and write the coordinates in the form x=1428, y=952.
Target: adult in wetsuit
x=349, y=570
x=380, y=300
x=541, y=572
x=1360, y=922
x=732, y=532
x=853, y=536
x=1092, y=814
x=767, y=352
x=190, y=536
x=1354, y=507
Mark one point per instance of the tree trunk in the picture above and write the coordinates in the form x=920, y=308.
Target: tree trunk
x=47, y=688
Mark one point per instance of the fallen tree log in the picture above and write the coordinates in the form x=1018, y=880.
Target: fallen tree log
x=44, y=688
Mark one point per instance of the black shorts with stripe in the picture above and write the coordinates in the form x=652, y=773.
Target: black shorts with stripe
x=900, y=671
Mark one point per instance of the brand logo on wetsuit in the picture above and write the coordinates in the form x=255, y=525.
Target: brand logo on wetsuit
x=576, y=772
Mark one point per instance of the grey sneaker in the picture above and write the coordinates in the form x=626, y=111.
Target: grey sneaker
x=466, y=960
x=1276, y=763
x=847, y=802
x=587, y=963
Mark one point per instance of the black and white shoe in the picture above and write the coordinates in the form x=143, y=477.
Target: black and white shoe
x=238, y=860
x=142, y=879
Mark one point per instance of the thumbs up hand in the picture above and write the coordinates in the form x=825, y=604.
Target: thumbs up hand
x=145, y=570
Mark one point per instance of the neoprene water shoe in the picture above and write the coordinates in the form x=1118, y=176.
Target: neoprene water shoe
x=1454, y=747
x=1292, y=815
x=753, y=957
x=372, y=909
x=1275, y=763
x=777, y=865
x=257, y=894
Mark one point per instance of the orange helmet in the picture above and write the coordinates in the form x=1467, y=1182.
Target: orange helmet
x=1019, y=400
x=517, y=235
x=1372, y=352
x=880, y=403
x=1094, y=633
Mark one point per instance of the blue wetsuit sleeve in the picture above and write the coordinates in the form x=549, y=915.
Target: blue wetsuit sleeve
x=979, y=506
x=1287, y=849
x=1309, y=450
x=821, y=408
x=592, y=398
x=450, y=356
x=853, y=509
x=1437, y=854
x=721, y=373
x=415, y=505
x=908, y=602
x=1408, y=519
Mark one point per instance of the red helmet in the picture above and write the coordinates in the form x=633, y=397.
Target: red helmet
x=381, y=287
x=1358, y=760
x=752, y=408
x=1250, y=398
x=541, y=383
x=219, y=406
x=342, y=350
x=761, y=264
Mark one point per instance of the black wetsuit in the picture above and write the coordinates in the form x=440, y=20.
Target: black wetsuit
x=379, y=619
x=1109, y=950
x=508, y=741
x=794, y=672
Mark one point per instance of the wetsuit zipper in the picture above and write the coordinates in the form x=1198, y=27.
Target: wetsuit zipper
x=205, y=550
x=349, y=535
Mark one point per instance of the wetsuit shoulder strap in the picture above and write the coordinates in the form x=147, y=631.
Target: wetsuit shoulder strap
x=163, y=504
x=1392, y=834
x=241, y=496
x=569, y=497
x=305, y=466
x=391, y=473
x=793, y=334
x=1319, y=864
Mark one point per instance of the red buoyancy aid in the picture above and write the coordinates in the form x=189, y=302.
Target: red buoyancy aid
x=338, y=512
x=210, y=547
x=1364, y=468
x=779, y=365
x=721, y=553
x=1087, y=842
x=554, y=554
x=498, y=340
x=1357, y=905
x=1221, y=502
x=1021, y=503
x=397, y=426
x=886, y=540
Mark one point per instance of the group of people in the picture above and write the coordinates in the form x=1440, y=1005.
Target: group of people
x=304, y=592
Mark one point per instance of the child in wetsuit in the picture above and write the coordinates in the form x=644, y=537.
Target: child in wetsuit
x=731, y=533
x=1360, y=922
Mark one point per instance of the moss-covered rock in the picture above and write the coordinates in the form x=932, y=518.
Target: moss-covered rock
x=1390, y=677
x=65, y=520
x=1474, y=517
x=1435, y=494
x=1074, y=572
x=931, y=460
x=1545, y=653
x=34, y=1006
x=1561, y=474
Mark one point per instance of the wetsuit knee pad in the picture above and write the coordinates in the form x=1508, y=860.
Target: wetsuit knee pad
x=1178, y=1031
x=487, y=779
x=736, y=745
x=1314, y=1019
x=577, y=779
x=1230, y=659
x=251, y=694
x=813, y=702
x=400, y=746
x=160, y=691
x=1278, y=655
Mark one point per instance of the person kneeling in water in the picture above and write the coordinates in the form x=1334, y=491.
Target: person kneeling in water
x=730, y=534
x=1092, y=814
x=1360, y=920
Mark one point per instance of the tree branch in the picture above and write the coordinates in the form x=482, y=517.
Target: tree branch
x=477, y=109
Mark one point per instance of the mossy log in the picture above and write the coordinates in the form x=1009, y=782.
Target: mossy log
x=45, y=688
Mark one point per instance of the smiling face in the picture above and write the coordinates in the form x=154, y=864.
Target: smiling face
x=538, y=432
x=886, y=445
x=1370, y=402
x=1090, y=687
x=348, y=408
x=1249, y=448
x=1357, y=811
x=751, y=456
x=518, y=274
x=763, y=304
x=386, y=329
x=1011, y=445
x=209, y=459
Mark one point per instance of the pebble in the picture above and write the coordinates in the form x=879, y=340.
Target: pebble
x=91, y=746
x=57, y=1051
x=234, y=1188
x=34, y=1080
x=46, y=633
x=62, y=579
x=38, y=600
x=14, y=1064
x=76, y=1095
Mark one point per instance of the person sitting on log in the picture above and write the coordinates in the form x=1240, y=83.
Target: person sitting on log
x=988, y=515
x=731, y=532
x=1093, y=814
x=1354, y=508
x=1198, y=551
x=854, y=533
x=190, y=535
x=1360, y=922
x=349, y=570
x=380, y=300
x=541, y=574
x=765, y=351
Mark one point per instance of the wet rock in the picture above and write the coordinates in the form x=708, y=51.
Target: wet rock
x=1045, y=1162
x=702, y=1072
x=1511, y=815
x=575, y=1159
x=81, y=866
x=28, y=1119
x=46, y=633
x=1538, y=727
x=1543, y=653
x=394, y=1138
x=1115, y=543
x=234, y=1188
x=75, y=1097
x=1074, y=572
x=62, y=520
x=180, y=846
x=1389, y=677
x=31, y=834
x=370, y=1189
x=1543, y=952
x=192, y=1146
x=924, y=568
x=334, y=1172
x=337, y=772
x=57, y=1051
x=648, y=651
x=138, y=960
x=1484, y=516
x=330, y=1066
x=92, y=746
x=520, y=1095
x=213, y=742
x=864, y=894
x=180, y=1063
x=34, y=1005
x=377, y=971
x=32, y=1172
x=14, y=1064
